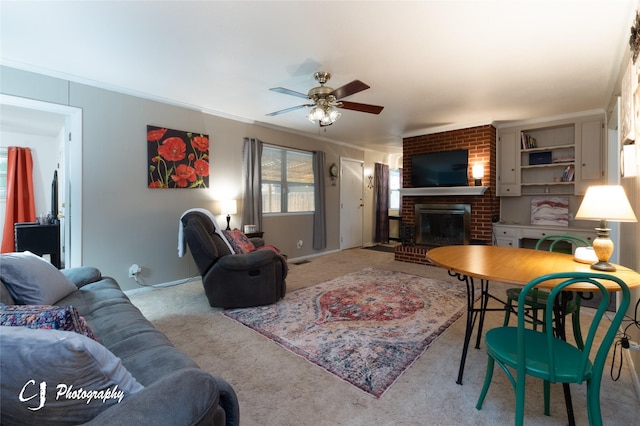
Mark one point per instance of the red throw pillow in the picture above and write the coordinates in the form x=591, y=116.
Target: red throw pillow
x=239, y=241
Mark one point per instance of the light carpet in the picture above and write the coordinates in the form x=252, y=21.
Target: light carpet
x=366, y=327
x=276, y=387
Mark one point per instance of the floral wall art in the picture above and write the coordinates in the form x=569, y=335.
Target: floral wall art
x=177, y=159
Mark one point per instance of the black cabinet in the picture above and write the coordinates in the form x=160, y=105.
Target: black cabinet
x=39, y=239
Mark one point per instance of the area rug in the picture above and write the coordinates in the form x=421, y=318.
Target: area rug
x=366, y=327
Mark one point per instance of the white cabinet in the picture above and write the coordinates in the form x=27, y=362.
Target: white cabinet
x=515, y=235
x=508, y=182
x=590, y=165
x=560, y=157
x=505, y=236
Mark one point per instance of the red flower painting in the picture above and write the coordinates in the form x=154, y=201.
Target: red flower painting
x=177, y=159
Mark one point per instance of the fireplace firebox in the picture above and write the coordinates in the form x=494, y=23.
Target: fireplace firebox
x=442, y=224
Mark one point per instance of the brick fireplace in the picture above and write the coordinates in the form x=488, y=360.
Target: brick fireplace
x=481, y=143
x=442, y=224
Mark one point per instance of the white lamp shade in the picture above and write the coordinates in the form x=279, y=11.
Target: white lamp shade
x=606, y=202
x=477, y=171
x=229, y=207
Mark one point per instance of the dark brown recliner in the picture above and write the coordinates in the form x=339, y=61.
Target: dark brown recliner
x=233, y=280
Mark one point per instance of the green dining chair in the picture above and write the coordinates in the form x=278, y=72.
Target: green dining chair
x=543, y=355
x=536, y=299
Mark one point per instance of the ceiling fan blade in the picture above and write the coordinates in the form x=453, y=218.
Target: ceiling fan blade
x=282, y=111
x=349, y=89
x=289, y=92
x=371, y=109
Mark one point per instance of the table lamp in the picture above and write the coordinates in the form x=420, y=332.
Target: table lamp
x=605, y=202
x=229, y=207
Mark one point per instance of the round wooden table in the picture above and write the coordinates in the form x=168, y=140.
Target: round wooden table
x=514, y=266
x=519, y=265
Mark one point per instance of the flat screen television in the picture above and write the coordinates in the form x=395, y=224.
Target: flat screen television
x=442, y=168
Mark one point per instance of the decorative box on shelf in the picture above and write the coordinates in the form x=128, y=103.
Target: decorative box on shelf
x=542, y=157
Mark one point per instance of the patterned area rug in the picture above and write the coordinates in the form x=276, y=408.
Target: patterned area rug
x=366, y=327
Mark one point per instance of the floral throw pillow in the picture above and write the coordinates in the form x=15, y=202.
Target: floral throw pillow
x=45, y=317
x=239, y=241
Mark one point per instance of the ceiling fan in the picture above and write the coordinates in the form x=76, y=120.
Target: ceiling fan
x=325, y=101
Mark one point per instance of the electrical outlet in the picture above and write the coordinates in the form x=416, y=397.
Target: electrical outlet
x=134, y=270
x=299, y=245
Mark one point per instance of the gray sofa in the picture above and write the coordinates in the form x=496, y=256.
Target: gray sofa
x=176, y=391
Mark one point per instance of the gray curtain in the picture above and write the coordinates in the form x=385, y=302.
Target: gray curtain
x=319, y=216
x=401, y=186
x=251, y=175
x=381, y=199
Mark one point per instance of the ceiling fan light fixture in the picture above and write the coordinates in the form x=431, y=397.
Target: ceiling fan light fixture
x=323, y=113
x=326, y=121
x=318, y=112
x=325, y=101
x=334, y=114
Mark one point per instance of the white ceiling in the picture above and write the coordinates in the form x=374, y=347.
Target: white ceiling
x=431, y=64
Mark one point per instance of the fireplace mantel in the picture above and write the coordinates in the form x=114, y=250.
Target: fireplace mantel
x=440, y=191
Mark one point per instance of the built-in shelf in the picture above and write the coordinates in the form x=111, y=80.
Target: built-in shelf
x=440, y=191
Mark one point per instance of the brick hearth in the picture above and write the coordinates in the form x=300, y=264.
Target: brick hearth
x=412, y=254
x=481, y=143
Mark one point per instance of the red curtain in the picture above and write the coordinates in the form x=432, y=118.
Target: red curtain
x=20, y=201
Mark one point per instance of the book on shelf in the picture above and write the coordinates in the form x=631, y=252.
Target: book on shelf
x=568, y=174
x=528, y=142
x=564, y=159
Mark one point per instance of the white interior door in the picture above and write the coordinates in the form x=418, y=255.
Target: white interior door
x=351, y=203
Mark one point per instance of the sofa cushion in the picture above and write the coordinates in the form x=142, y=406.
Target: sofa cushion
x=82, y=275
x=239, y=241
x=45, y=316
x=31, y=280
x=79, y=376
x=120, y=327
x=5, y=296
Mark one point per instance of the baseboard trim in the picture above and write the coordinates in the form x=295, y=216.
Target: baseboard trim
x=311, y=256
x=160, y=285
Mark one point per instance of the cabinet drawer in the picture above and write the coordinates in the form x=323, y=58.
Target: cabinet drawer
x=536, y=234
x=587, y=235
x=509, y=190
x=506, y=242
x=504, y=232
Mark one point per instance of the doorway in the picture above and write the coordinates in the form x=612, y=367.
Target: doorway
x=351, y=203
x=31, y=116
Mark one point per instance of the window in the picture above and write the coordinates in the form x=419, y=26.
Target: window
x=287, y=181
x=394, y=189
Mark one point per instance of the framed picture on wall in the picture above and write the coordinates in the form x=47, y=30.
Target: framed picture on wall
x=636, y=104
x=627, y=112
x=550, y=210
x=177, y=159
